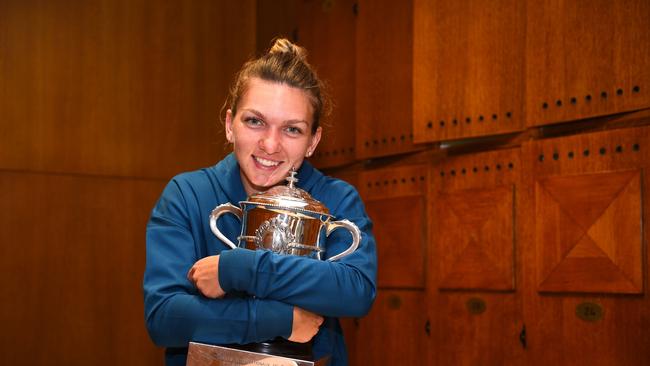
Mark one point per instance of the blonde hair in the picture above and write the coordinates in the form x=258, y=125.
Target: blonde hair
x=284, y=63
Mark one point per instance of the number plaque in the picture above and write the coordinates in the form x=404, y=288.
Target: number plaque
x=589, y=311
x=476, y=305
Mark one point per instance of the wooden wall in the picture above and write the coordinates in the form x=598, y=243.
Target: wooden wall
x=101, y=102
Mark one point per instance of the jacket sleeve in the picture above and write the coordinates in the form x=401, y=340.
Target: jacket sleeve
x=175, y=312
x=346, y=287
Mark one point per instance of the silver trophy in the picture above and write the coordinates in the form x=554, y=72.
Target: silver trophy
x=285, y=220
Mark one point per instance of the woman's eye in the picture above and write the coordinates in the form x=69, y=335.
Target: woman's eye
x=294, y=130
x=252, y=121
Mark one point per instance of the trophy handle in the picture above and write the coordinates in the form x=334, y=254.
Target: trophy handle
x=218, y=211
x=352, y=228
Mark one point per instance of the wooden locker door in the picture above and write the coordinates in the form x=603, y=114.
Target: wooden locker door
x=327, y=31
x=394, y=331
x=586, y=58
x=584, y=250
x=395, y=200
x=468, y=76
x=472, y=299
x=72, y=255
x=384, y=47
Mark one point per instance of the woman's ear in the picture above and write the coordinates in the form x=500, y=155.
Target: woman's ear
x=229, y=134
x=315, y=139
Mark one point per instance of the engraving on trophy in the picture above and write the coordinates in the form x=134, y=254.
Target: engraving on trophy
x=275, y=234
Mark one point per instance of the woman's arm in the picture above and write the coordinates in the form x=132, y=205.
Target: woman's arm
x=346, y=287
x=176, y=313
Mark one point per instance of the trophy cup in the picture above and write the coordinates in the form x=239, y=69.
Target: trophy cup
x=288, y=221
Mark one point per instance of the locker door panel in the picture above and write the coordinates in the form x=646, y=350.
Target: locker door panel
x=586, y=59
x=584, y=248
x=384, y=78
x=394, y=333
x=468, y=75
x=395, y=201
x=597, y=219
x=474, y=328
x=327, y=30
x=473, y=301
x=475, y=239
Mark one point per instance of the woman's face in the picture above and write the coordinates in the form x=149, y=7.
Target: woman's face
x=271, y=133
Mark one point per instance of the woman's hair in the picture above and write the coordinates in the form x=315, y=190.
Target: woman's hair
x=284, y=63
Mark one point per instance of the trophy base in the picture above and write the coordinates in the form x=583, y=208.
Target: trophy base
x=200, y=354
x=279, y=347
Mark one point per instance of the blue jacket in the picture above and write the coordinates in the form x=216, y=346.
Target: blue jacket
x=262, y=287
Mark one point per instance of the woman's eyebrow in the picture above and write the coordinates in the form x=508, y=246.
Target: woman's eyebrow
x=287, y=122
x=254, y=111
x=296, y=121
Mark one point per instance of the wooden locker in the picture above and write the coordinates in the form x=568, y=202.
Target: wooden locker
x=394, y=333
x=72, y=255
x=586, y=58
x=584, y=248
x=383, y=70
x=395, y=200
x=327, y=30
x=468, y=68
x=473, y=302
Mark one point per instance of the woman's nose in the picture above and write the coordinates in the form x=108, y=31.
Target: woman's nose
x=270, y=141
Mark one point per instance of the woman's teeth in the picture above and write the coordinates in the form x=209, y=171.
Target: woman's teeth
x=267, y=163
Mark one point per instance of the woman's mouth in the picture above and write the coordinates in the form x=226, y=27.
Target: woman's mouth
x=265, y=162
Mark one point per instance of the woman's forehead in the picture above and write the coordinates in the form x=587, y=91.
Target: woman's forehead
x=276, y=100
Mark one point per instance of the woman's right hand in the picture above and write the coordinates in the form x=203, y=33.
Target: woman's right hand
x=305, y=325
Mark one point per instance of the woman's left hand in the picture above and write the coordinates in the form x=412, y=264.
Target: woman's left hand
x=204, y=274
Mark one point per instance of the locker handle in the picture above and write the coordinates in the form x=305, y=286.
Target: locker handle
x=522, y=337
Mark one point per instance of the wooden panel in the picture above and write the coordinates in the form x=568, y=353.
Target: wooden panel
x=275, y=18
x=472, y=220
x=327, y=30
x=472, y=260
x=395, y=199
x=72, y=257
x=586, y=58
x=394, y=333
x=588, y=233
x=118, y=88
x=476, y=239
x=472, y=328
x=607, y=174
x=468, y=75
x=384, y=78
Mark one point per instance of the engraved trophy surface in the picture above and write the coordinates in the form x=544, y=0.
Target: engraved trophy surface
x=288, y=221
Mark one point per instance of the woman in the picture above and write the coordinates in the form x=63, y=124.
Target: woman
x=198, y=289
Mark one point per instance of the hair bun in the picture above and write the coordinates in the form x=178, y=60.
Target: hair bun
x=283, y=45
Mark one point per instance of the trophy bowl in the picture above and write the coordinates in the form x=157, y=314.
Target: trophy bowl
x=284, y=220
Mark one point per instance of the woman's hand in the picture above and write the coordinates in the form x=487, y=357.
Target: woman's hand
x=204, y=274
x=305, y=325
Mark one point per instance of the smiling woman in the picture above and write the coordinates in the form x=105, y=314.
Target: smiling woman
x=196, y=289
x=271, y=132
